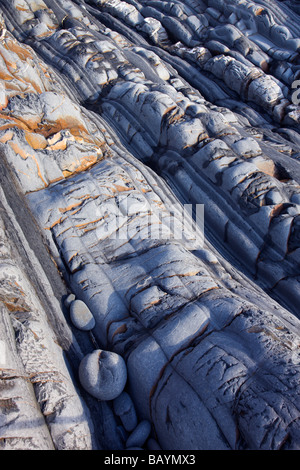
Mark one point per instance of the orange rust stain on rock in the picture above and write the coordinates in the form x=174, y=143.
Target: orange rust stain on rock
x=4, y=102
x=120, y=189
x=277, y=210
x=18, y=150
x=266, y=166
x=7, y=136
x=38, y=170
x=55, y=223
x=81, y=167
x=36, y=141
x=73, y=206
x=22, y=51
x=23, y=154
x=121, y=329
x=85, y=224
x=55, y=180
x=20, y=8
x=70, y=122
x=73, y=256
x=69, y=208
x=5, y=75
x=29, y=125
x=58, y=145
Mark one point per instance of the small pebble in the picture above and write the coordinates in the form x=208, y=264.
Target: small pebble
x=124, y=408
x=68, y=300
x=103, y=374
x=81, y=316
x=139, y=436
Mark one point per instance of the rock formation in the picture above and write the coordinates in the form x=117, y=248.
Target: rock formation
x=114, y=117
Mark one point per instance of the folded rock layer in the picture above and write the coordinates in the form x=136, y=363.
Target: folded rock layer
x=114, y=117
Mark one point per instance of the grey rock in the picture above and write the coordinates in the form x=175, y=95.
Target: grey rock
x=103, y=374
x=122, y=433
x=208, y=326
x=152, y=444
x=68, y=300
x=139, y=436
x=124, y=408
x=134, y=448
x=81, y=315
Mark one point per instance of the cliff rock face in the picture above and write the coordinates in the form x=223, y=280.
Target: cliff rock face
x=115, y=117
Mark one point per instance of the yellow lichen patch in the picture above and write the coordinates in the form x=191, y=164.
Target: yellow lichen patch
x=36, y=141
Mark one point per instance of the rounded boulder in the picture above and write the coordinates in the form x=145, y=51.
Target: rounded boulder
x=103, y=374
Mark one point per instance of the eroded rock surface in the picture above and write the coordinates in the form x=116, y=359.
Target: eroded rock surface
x=113, y=116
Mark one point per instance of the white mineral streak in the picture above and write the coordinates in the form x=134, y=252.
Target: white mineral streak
x=92, y=94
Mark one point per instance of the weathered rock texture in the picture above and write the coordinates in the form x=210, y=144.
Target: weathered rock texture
x=114, y=110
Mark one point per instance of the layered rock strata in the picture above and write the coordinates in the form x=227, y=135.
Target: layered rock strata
x=114, y=115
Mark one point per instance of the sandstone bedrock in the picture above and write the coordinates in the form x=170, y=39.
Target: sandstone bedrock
x=127, y=321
